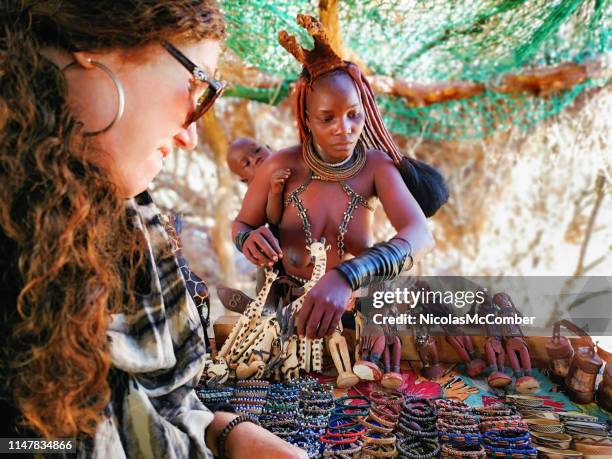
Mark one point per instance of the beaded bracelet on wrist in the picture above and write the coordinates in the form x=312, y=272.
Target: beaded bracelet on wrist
x=241, y=238
x=228, y=428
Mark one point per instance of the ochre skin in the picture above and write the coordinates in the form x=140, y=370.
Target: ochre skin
x=335, y=115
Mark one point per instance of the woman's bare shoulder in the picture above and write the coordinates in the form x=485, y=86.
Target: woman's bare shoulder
x=287, y=157
x=377, y=159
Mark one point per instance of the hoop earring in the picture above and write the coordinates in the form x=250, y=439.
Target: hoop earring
x=118, y=88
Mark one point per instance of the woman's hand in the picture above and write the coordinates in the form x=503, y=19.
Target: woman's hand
x=261, y=247
x=323, y=306
x=250, y=440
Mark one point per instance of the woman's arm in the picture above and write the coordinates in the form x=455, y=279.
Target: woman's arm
x=401, y=208
x=255, y=240
x=325, y=303
x=247, y=438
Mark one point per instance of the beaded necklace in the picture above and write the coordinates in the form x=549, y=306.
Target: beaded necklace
x=334, y=172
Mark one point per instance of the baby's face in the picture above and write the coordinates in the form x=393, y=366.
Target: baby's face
x=245, y=156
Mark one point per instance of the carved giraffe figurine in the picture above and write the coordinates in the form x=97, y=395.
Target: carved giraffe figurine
x=250, y=345
x=312, y=350
x=253, y=363
x=234, y=346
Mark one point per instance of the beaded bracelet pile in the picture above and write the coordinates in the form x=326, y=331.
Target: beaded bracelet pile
x=250, y=397
x=503, y=424
x=500, y=417
x=472, y=451
x=316, y=400
x=509, y=443
x=281, y=410
x=380, y=423
x=450, y=406
x=423, y=448
x=458, y=430
x=388, y=398
x=344, y=431
x=495, y=411
x=211, y=396
x=457, y=423
x=417, y=429
x=308, y=440
x=504, y=432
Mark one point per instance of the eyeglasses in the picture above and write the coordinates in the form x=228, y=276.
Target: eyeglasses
x=214, y=88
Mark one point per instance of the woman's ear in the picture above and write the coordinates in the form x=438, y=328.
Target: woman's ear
x=83, y=60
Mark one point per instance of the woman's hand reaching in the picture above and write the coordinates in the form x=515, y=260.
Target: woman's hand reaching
x=323, y=306
x=261, y=247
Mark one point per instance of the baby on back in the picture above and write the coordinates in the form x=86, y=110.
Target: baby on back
x=244, y=157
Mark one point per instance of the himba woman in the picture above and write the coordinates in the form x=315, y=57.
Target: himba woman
x=345, y=161
x=100, y=339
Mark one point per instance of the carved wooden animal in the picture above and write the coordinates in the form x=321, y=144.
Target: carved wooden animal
x=234, y=346
x=251, y=345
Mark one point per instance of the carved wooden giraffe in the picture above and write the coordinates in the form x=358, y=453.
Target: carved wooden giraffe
x=253, y=361
x=311, y=350
x=260, y=352
x=233, y=346
x=251, y=347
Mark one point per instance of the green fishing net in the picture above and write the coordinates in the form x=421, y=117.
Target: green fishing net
x=437, y=41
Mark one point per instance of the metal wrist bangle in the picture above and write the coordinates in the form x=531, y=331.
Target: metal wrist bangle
x=383, y=261
x=241, y=238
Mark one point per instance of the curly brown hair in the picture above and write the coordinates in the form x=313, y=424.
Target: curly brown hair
x=77, y=251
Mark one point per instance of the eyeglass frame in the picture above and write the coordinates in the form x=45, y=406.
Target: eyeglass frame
x=216, y=86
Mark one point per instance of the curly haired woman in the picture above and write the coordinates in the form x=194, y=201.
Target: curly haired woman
x=100, y=339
